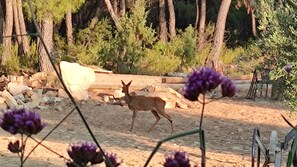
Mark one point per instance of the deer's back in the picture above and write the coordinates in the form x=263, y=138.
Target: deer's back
x=146, y=103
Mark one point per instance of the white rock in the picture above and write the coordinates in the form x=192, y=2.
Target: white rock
x=10, y=101
x=117, y=94
x=77, y=79
x=2, y=100
x=3, y=106
x=16, y=88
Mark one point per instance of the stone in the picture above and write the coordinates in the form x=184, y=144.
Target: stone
x=62, y=93
x=10, y=101
x=77, y=79
x=3, y=106
x=20, y=97
x=36, y=100
x=105, y=98
x=117, y=94
x=44, y=79
x=173, y=98
x=51, y=93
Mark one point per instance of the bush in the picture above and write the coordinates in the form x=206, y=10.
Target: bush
x=159, y=60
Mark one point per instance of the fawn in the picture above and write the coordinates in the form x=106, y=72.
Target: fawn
x=143, y=103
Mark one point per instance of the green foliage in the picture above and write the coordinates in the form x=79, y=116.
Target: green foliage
x=130, y=44
x=55, y=9
x=13, y=64
x=29, y=62
x=279, y=42
x=159, y=60
x=91, y=46
x=185, y=44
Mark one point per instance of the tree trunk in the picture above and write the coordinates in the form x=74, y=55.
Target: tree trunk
x=1, y=24
x=197, y=17
x=202, y=20
x=172, y=30
x=17, y=24
x=47, y=34
x=7, y=31
x=25, y=40
x=122, y=7
x=254, y=26
x=112, y=14
x=220, y=29
x=162, y=21
x=115, y=7
x=69, y=29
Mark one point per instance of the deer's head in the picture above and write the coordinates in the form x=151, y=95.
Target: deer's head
x=125, y=87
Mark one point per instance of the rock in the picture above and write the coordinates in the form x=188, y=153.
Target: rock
x=3, y=105
x=51, y=93
x=20, y=97
x=173, y=98
x=77, y=79
x=36, y=99
x=62, y=93
x=117, y=94
x=10, y=101
x=105, y=98
x=44, y=79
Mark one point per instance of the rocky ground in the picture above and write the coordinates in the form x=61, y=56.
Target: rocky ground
x=228, y=126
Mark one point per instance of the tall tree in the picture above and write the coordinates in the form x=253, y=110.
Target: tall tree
x=220, y=31
x=162, y=21
x=23, y=30
x=7, y=31
x=69, y=28
x=122, y=7
x=47, y=34
x=112, y=14
x=172, y=29
x=202, y=21
x=1, y=24
x=46, y=13
x=116, y=7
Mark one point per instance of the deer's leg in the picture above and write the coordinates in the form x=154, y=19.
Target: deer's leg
x=162, y=112
x=157, y=119
x=133, y=118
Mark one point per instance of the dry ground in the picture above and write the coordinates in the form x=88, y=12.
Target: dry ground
x=228, y=125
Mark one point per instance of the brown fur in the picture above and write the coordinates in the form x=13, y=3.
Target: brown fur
x=145, y=103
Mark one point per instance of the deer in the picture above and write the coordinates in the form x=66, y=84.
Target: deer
x=145, y=103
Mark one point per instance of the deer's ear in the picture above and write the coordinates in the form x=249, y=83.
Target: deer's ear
x=123, y=82
x=129, y=83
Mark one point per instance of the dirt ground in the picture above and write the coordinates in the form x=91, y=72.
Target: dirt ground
x=228, y=126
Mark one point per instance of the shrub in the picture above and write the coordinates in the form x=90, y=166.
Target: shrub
x=159, y=60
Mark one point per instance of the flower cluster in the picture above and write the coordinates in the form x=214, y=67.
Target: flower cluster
x=113, y=160
x=200, y=81
x=288, y=68
x=228, y=87
x=179, y=159
x=21, y=121
x=84, y=153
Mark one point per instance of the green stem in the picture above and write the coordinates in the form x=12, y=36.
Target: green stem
x=201, y=136
x=22, y=149
x=203, y=107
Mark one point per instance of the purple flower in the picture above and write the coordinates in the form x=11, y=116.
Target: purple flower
x=288, y=68
x=84, y=153
x=113, y=159
x=21, y=121
x=179, y=159
x=228, y=87
x=14, y=147
x=201, y=81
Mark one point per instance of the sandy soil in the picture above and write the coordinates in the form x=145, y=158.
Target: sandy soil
x=228, y=126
